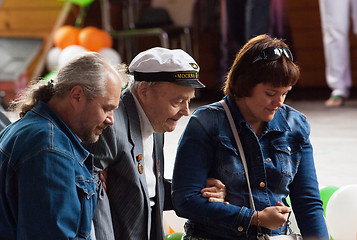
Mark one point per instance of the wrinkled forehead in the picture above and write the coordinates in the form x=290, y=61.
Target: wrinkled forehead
x=172, y=90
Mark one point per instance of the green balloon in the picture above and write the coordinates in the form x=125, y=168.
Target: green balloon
x=325, y=194
x=82, y=2
x=174, y=236
x=50, y=76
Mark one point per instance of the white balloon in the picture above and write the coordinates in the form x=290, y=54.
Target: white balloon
x=111, y=55
x=341, y=211
x=69, y=53
x=52, y=58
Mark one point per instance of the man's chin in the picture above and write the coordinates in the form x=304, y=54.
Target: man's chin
x=91, y=139
x=170, y=128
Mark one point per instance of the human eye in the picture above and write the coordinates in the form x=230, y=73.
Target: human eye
x=107, y=108
x=270, y=93
x=177, y=102
x=286, y=92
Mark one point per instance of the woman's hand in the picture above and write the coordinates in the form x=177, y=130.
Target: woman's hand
x=215, y=191
x=272, y=217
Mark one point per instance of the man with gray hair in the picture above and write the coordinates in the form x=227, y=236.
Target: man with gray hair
x=163, y=84
x=47, y=190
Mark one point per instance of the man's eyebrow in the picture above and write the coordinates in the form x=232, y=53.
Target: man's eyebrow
x=113, y=106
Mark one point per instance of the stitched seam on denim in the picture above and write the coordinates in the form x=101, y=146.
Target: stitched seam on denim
x=240, y=219
x=28, y=157
x=52, y=129
x=51, y=136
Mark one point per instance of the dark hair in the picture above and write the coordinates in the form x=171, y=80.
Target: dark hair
x=244, y=75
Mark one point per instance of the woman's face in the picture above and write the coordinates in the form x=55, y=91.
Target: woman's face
x=263, y=103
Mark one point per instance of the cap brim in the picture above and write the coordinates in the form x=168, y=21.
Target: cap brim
x=190, y=83
x=187, y=78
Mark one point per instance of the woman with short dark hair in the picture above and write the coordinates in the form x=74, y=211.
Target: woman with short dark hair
x=277, y=149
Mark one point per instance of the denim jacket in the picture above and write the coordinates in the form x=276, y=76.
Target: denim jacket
x=46, y=190
x=280, y=163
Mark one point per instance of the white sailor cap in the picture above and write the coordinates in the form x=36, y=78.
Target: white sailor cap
x=160, y=64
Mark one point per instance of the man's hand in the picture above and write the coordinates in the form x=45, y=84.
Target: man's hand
x=103, y=178
x=215, y=190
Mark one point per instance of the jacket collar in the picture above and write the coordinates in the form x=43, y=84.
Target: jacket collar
x=134, y=134
x=278, y=124
x=133, y=121
x=42, y=109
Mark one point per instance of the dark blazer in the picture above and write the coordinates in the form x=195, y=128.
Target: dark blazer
x=4, y=121
x=119, y=147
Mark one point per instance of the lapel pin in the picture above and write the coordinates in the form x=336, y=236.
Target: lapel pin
x=140, y=168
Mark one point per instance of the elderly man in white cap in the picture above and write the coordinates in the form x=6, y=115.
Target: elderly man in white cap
x=131, y=151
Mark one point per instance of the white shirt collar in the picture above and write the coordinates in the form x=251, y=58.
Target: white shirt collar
x=146, y=128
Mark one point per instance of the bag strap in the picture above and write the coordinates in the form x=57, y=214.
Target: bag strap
x=244, y=162
x=240, y=148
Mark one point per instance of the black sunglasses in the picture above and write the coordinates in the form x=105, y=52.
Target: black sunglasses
x=273, y=53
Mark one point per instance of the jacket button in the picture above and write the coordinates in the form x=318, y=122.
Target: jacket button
x=268, y=159
x=240, y=228
x=289, y=149
x=261, y=184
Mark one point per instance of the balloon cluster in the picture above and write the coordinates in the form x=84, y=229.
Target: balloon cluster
x=340, y=209
x=70, y=41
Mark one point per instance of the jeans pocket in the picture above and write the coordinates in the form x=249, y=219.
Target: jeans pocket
x=289, y=156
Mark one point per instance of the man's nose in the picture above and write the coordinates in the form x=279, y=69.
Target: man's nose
x=110, y=118
x=185, y=110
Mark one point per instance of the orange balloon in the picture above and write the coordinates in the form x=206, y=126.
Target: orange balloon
x=65, y=36
x=94, y=39
x=108, y=41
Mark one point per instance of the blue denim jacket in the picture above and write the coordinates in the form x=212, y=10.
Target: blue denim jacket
x=46, y=190
x=280, y=163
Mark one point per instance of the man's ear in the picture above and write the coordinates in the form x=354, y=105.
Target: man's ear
x=142, y=89
x=76, y=96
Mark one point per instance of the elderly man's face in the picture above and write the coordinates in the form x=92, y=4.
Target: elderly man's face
x=97, y=114
x=165, y=103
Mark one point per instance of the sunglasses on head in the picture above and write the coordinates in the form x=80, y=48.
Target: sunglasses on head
x=273, y=53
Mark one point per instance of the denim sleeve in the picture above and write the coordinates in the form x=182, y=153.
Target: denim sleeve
x=48, y=203
x=194, y=160
x=305, y=197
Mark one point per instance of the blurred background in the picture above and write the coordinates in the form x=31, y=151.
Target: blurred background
x=38, y=36
x=210, y=30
